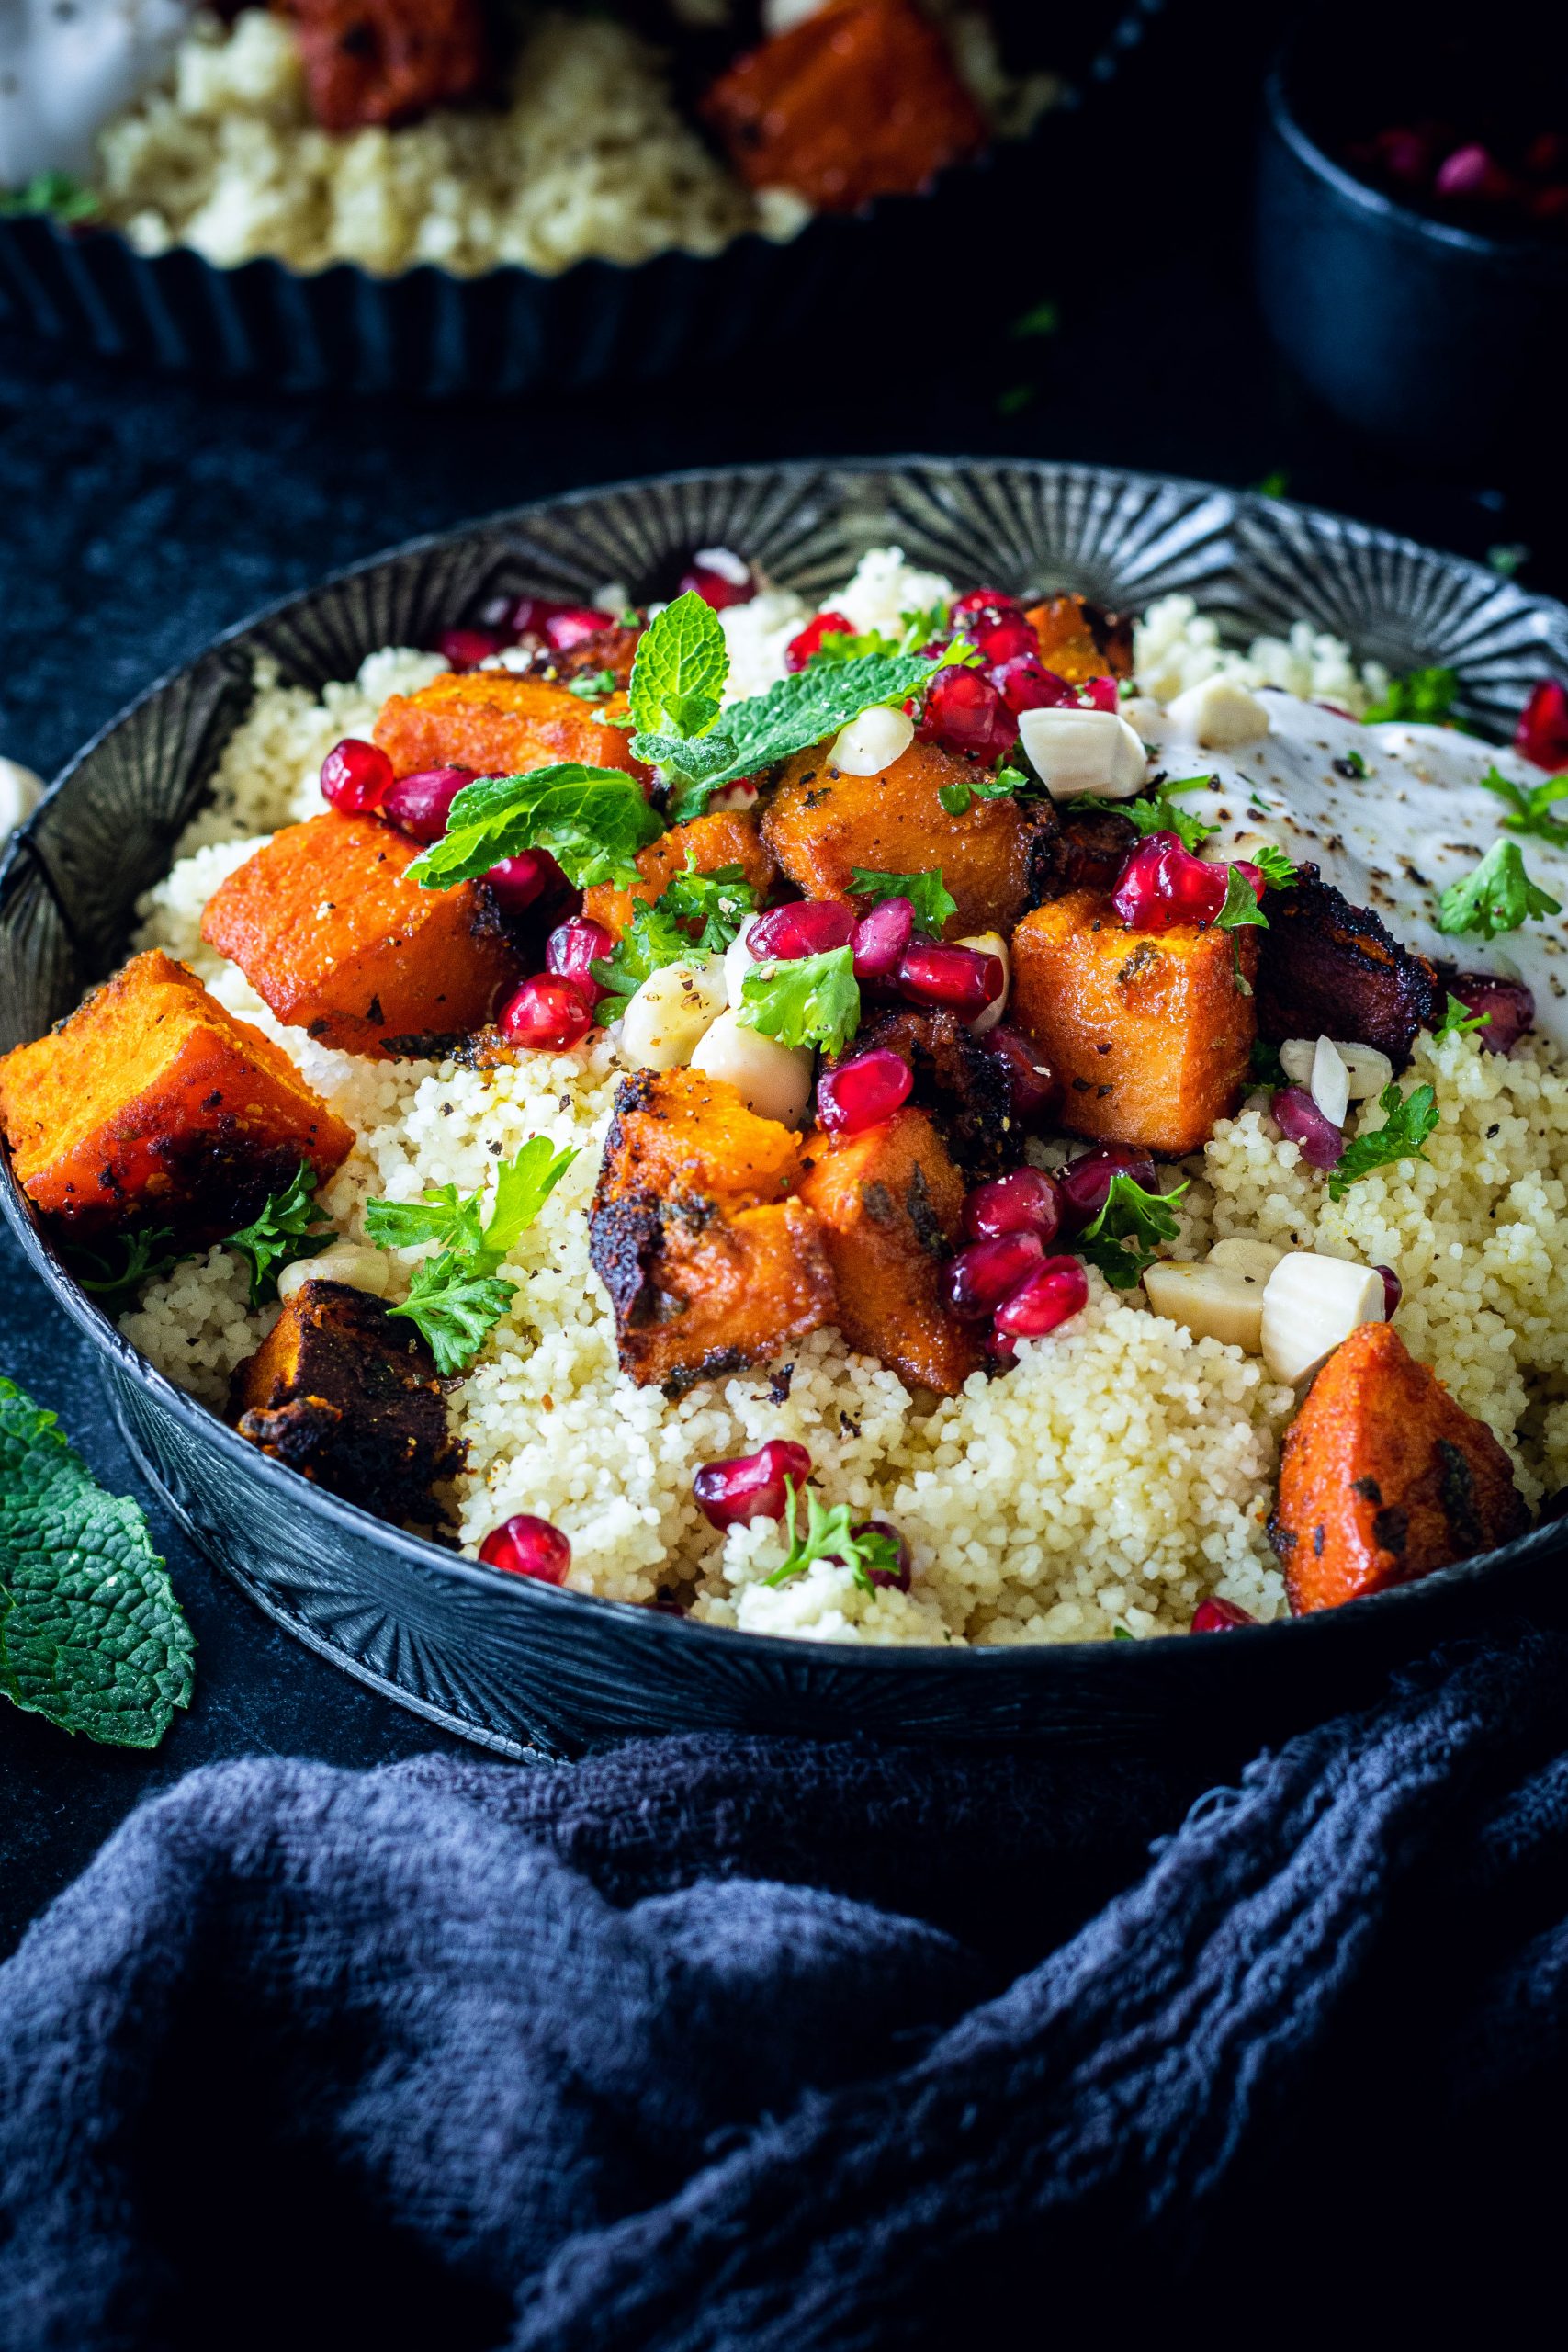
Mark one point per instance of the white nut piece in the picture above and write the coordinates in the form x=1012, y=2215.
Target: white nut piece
x=1214, y=1302
x=738, y=961
x=1367, y=1072
x=1310, y=1305
x=1329, y=1084
x=20, y=792
x=990, y=943
x=873, y=742
x=344, y=1261
x=671, y=1012
x=774, y=1080
x=1083, y=751
x=1246, y=1255
x=1219, y=713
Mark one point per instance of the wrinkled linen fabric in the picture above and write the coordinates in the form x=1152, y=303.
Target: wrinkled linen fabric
x=729, y=2042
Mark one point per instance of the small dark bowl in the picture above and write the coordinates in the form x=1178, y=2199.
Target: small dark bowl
x=1447, y=344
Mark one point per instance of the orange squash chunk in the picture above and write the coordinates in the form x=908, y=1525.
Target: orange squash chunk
x=890, y=1201
x=1384, y=1478
x=499, y=724
x=678, y=1133
x=152, y=1104
x=332, y=935
x=1148, y=1031
x=822, y=824
x=861, y=100
x=727, y=837
x=1076, y=643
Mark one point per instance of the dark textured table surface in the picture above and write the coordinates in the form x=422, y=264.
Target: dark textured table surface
x=138, y=517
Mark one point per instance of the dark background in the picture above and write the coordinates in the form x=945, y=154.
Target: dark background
x=139, y=516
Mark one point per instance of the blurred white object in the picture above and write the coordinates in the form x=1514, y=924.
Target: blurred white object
x=783, y=15
x=873, y=742
x=20, y=792
x=1218, y=713
x=66, y=70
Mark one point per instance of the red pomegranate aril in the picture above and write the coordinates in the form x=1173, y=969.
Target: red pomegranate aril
x=421, y=804
x=752, y=1486
x=531, y=613
x=1542, y=731
x=546, y=1015
x=1301, y=1122
x=355, y=776
x=572, y=623
x=1162, y=884
x=1472, y=171
x=572, y=948
x=1001, y=1350
x=986, y=1274
x=1005, y=639
x=1217, y=1616
x=525, y=1547
x=898, y=1577
x=1508, y=1005
x=881, y=937
x=1101, y=693
x=1025, y=1201
x=965, y=714
x=862, y=1093
x=1393, y=1291
x=465, y=649
x=1083, y=1186
x=1025, y=684
x=715, y=587
x=1032, y=1081
x=1252, y=875
x=1057, y=1289
x=801, y=647
x=981, y=603
x=805, y=927
x=518, y=881
x=961, y=980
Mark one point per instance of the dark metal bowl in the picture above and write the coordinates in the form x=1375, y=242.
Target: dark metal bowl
x=508, y=1662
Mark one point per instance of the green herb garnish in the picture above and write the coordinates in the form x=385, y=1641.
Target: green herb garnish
x=916, y=630
x=1498, y=896
x=592, y=820
x=793, y=714
x=826, y=1536
x=1004, y=784
x=1160, y=814
x=291, y=1226
x=1410, y=1120
x=457, y=1297
x=1457, y=1019
x=1422, y=696
x=933, y=903
x=1275, y=868
x=1531, y=806
x=143, y=1255
x=1122, y=1239
x=805, y=1001
x=594, y=685
x=63, y=198
x=1264, y=1064
x=1043, y=319
x=678, y=673
x=91, y=1634
x=721, y=902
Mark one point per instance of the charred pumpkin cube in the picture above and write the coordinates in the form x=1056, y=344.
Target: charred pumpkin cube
x=1150, y=1033
x=498, y=723
x=679, y=1134
x=1078, y=642
x=153, y=1105
x=331, y=935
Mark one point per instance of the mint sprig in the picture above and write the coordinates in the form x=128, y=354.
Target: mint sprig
x=592, y=820
x=1409, y=1120
x=1125, y=1236
x=456, y=1298
x=1498, y=897
x=933, y=902
x=806, y=1000
x=679, y=670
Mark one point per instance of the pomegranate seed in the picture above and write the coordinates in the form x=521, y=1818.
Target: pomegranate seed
x=753, y=1486
x=570, y=624
x=571, y=948
x=1393, y=1291
x=800, y=649
x=1083, y=1186
x=1510, y=1007
x=1057, y=1289
x=546, y=1015
x=355, y=776
x=1161, y=883
x=1405, y=155
x=1542, y=731
x=715, y=587
x=1254, y=875
x=881, y=937
x=1025, y=1201
x=1101, y=693
x=805, y=927
x=1546, y=154
x=1030, y=1075
x=518, y=881
x=1549, y=204
x=1473, y=172
x=1001, y=1350
x=465, y=649
x=1025, y=684
x=862, y=1093
x=1299, y=1119
x=421, y=804
x=986, y=1274
x=980, y=604
x=525, y=1547
x=1217, y=1616
x=531, y=613
x=1006, y=639
x=965, y=714
x=898, y=1577
x=962, y=980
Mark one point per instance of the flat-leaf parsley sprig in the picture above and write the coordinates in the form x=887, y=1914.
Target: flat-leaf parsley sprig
x=1530, y=806
x=1160, y=813
x=1457, y=1021
x=1410, y=1119
x=827, y=1535
x=933, y=902
x=291, y=1226
x=457, y=1296
x=660, y=933
x=1125, y=1238
x=803, y=1001
x=1498, y=896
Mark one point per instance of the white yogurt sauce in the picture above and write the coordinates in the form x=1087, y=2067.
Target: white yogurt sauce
x=1390, y=840
x=65, y=69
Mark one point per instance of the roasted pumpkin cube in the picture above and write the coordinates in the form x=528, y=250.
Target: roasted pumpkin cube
x=498, y=723
x=968, y=1090
x=703, y=1288
x=822, y=824
x=1078, y=641
x=890, y=1201
x=1384, y=1477
x=347, y=1394
x=153, y=1105
x=861, y=99
x=1150, y=1033
x=330, y=932
x=1327, y=968
x=706, y=845
x=680, y=1134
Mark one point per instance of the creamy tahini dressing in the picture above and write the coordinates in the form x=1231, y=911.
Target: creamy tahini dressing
x=1390, y=840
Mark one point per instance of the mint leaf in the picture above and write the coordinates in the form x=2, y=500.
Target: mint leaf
x=115, y=1282
x=457, y=1302
x=457, y=1298
x=1530, y=806
x=1457, y=1019
x=793, y=715
x=91, y=1634
x=1160, y=814
x=1424, y=698
x=522, y=1185
x=291, y=1226
x=1123, y=1238
x=592, y=820
x=808, y=1000
x=827, y=1536
x=933, y=902
x=1498, y=896
x=1410, y=1120
x=679, y=670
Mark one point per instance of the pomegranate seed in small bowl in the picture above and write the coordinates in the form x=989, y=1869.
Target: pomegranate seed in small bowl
x=355, y=776
x=1083, y=1186
x=805, y=927
x=572, y=948
x=753, y=1486
x=808, y=640
x=896, y=1576
x=1217, y=1616
x=518, y=881
x=986, y=1274
x=719, y=578
x=1030, y=1080
x=959, y=979
x=1301, y=1122
x=465, y=649
x=1508, y=1005
x=1025, y=1201
x=862, y=1093
x=964, y=713
x=1542, y=731
x=1162, y=884
x=546, y=1015
x=525, y=1547
x=1057, y=1290
x=421, y=804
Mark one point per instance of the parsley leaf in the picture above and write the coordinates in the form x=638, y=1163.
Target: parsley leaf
x=282, y=1234
x=592, y=820
x=916, y=631
x=1457, y=1019
x=144, y=1255
x=442, y=1215
x=721, y=902
x=592, y=685
x=457, y=1297
x=1121, y=1241
x=1423, y=697
x=1410, y=1117
x=808, y=1000
x=1531, y=806
x=679, y=670
x=827, y=1536
x=522, y=1184
x=1264, y=1064
x=1275, y=866
x=981, y=785
x=1499, y=896
x=456, y=1304
x=63, y=198
x=1160, y=814
x=793, y=714
x=1241, y=906
x=933, y=903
